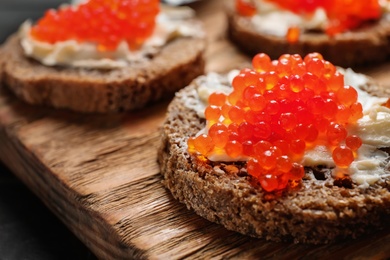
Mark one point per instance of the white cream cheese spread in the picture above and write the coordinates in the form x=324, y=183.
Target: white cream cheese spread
x=373, y=128
x=170, y=23
x=272, y=20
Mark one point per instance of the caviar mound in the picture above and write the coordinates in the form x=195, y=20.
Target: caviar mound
x=344, y=15
x=319, y=210
x=123, y=20
x=102, y=91
x=359, y=47
x=276, y=111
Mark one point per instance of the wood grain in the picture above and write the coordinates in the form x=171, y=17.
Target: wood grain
x=99, y=175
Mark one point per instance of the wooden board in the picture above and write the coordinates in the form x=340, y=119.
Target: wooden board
x=99, y=175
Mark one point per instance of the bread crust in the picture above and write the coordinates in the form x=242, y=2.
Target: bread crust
x=97, y=90
x=367, y=45
x=318, y=210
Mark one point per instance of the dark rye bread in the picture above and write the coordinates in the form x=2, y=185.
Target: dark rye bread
x=319, y=210
x=367, y=45
x=97, y=90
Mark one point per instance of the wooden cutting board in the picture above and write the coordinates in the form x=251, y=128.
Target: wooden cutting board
x=99, y=175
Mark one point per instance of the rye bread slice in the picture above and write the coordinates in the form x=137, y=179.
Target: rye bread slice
x=367, y=45
x=319, y=210
x=98, y=90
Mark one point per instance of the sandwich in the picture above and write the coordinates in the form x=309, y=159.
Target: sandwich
x=103, y=56
x=293, y=149
x=347, y=33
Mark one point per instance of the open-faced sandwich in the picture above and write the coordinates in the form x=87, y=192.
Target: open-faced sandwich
x=104, y=55
x=347, y=33
x=291, y=149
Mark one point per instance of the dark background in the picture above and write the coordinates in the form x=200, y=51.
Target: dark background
x=14, y=12
x=28, y=230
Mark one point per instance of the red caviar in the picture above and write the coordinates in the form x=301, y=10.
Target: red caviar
x=277, y=111
x=246, y=7
x=342, y=156
x=104, y=22
x=293, y=34
x=342, y=14
x=353, y=142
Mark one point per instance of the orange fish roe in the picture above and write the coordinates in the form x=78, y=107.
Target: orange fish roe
x=246, y=7
x=293, y=34
x=387, y=103
x=342, y=14
x=278, y=110
x=104, y=22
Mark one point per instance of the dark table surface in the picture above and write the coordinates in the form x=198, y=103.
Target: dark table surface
x=28, y=230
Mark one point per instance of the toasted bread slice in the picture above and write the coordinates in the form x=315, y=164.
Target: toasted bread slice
x=99, y=90
x=367, y=45
x=319, y=210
